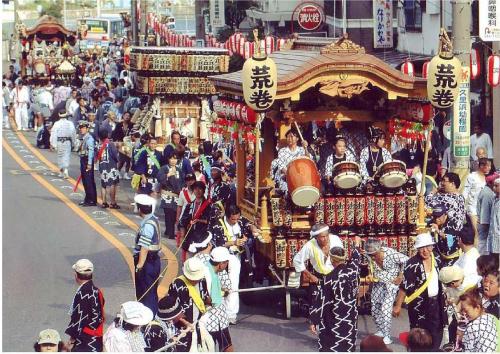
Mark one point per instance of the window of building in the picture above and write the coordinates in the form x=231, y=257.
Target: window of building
x=413, y=15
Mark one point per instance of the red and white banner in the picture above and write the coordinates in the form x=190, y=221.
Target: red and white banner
x=493, y=75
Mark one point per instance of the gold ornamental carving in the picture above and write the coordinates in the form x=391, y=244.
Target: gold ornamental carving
x=343, y=46
x=345, y=89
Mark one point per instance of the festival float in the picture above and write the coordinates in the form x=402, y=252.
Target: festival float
x=341, y=85
x=176, y=79
x=44, y=47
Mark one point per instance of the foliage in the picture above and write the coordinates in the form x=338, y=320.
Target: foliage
x=235, y=11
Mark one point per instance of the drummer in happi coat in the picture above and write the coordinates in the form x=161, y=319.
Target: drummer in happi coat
x=287, y=155
x=339, y=154
x=375, y=154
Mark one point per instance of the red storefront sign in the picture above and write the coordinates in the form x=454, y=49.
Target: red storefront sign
x=310, y=16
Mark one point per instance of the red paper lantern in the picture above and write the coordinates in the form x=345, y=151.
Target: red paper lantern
x=407, y=68
x=231, y=110
x=269, y=44
x=425, y=69
x=475, y=63
x=493, y=76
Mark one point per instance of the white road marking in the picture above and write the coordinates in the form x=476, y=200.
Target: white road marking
x=113, y=223
x=126, y=234
x=100, y=212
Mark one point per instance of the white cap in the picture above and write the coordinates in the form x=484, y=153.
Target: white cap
x=449, y=274
x=219, y=254
x=135, y=313
x=83, y=266
x=49, y=336
x=144, y=199
x=194, y=269
x=423, y=240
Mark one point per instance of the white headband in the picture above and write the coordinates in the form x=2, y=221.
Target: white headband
x=316, y=233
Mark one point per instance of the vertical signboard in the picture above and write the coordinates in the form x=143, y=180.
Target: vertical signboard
x=382, y=22
x=489, y=20
x=461, y=119
x=217, y=18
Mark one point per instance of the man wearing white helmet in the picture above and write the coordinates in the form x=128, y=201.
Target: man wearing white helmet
x=422, y=291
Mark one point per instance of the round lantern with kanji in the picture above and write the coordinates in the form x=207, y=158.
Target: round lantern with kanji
x=260, y=81
x=444, y=75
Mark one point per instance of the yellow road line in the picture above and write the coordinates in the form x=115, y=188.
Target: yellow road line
x=125, y=252
x=173, y=264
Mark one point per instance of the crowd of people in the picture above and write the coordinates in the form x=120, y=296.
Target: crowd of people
x=450, y=286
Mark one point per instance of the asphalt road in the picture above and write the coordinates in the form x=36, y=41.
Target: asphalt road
x=45, y=232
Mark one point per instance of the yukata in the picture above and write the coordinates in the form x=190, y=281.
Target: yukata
x=332, y=160
x=493, y=242
x=196, y=235
x=108, y=164
x=384, y=291
x=220, y=194
x=87, y=318
x=334, y=308
x=87, y=152
x=370, y=161
x=146, y=284
x=20, y=98
x=216, y=319
x=222, y=232
x=193, y=308
x=481, y=334
x=424, y=297
x=148, y=164
x=485, y=202
x=455, y=206
x=156, y=335
x=119, y=340
x=63, y=138
x=169, y=193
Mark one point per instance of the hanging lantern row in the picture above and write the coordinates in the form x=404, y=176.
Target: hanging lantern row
x=234, y=111
x=493, y=75
x=236, y=44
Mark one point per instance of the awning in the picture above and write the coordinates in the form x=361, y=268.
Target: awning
x=395, y=58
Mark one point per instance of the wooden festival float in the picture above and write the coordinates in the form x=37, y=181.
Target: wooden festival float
x=176, y=78
x=45, y=47
x=337, y=84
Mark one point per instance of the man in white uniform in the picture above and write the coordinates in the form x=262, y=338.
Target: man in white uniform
x=480, y=139
x=20, y=97
x=62, y=139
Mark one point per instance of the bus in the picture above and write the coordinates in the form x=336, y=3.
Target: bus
x=101, y=30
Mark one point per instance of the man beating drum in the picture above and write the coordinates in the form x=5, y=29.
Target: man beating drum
x=375, y=154
x=286, y=155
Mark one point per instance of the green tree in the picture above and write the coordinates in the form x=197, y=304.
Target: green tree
x=51, y=8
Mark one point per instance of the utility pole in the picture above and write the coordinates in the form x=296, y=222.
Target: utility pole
x=199, y=6
x=16, y=34
x=98, y=7
x=64, y=13
x=133, y=15
x=143, y=37
x=462, y=14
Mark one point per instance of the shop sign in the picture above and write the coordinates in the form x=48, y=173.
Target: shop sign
x=489, y=20
x=310, y=17
x=382, y=24
x=217, y=13
x=461, y=117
